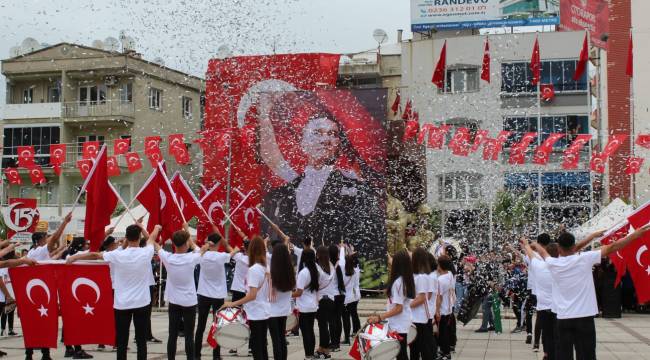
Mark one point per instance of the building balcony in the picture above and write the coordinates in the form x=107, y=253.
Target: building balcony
x=77, y=111
x=31, y=111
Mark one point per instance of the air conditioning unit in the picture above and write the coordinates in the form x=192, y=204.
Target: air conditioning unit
x=110, y=81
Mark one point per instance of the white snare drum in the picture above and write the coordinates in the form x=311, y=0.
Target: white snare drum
x=292, y=320
x=232, y=331
x=411, y=335
x=375, y=344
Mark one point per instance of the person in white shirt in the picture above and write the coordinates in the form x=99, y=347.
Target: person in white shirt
x=326, y=308
x=132, y=269
x=283, y=281
x=180, y=291
x=422, y=347
x=351, y=278
x=400, y=291
x=544, y=289
x=212, y=289
x=433, y=299
x=7, y=298
x=574, y=295
x=256, y=301
x=337, y=257
x=306, y=295
x=444, y=305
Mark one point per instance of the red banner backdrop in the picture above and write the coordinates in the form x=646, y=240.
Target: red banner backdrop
x=592, y=15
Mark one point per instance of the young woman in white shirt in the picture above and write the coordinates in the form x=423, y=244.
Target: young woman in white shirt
x=306, y=294
x=283, y=281
x=351, y=275
x=400, y=291
x=256, y=301
x=433, y=300
x=422, y=347
x=328, y=289
x=444, y=306
x=337, y=253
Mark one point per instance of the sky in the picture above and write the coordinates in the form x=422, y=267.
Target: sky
x=186, y=34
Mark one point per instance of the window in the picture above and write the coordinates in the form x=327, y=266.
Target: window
x=570, y=125
x=92, y=95
x=54, y=93
x=82, y=139
x=39, y=136
x=155, y=99
x=462, y=80
x=202, y=110
x=28, y=95
x=557, y=187
x=516, y=77
x=126, y=93
x=187, y=107
x=460, y=187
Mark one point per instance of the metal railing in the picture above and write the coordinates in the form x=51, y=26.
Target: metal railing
x=98, y=108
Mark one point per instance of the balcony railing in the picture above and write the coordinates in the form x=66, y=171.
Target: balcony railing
x=98, y=108
x=31, y=111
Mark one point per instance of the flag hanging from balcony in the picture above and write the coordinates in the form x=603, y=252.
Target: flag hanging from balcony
x=175, y=142
x=57, y=157
x=518, y=150
x=572, y=153
x=84, y=167
x=121, y=146
x=13, y=176
x=152, y=150
x=629, y=70
x=535, y=63
x=437, y=136
x=547, y=92
x=411, y=128
x=26, y=156
x=643, y=140
x=90, y=150
x=460, y=143
x=543, y=151
x=581, y=66
x=133, y=162
x=396, y=103
x=485, y=68
x=113, y=169
x=479, y=138
x=36, y=175
x=633, y=165
x=438, y=78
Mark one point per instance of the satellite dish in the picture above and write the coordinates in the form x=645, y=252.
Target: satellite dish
x=128, y=43
x=111, y=44
x=14, y=51
x=158, y=60
x=380, y=36
x=224, y=52
x=98, y=44
x=29, y=44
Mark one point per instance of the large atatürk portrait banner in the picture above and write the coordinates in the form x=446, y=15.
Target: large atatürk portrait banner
x=313, y=155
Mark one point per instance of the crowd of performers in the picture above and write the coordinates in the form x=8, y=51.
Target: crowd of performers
x=425, y=293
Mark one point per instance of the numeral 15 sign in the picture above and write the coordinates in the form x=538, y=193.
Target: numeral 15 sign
x=21, y=217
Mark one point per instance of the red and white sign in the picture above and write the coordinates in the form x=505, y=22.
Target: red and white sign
x=592, y=15
x=21, y=218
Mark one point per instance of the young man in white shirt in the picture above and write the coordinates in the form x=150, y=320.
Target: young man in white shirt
x=212, y=289
x=132, y=269
x=574, y=295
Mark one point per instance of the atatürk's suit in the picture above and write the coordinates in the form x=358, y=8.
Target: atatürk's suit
x=346, y=209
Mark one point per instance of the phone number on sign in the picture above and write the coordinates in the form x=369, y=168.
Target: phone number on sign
x=457, y=9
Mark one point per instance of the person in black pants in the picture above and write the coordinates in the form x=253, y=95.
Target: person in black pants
x=326, y=314
x=306, y=295
x=339, y=300
x=283, y=280
x=422, y=347
x=352, y=295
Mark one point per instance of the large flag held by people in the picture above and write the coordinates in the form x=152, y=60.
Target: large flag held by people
x=158, y=198
x=101, y=201
x=637, y=254
x=187, y=201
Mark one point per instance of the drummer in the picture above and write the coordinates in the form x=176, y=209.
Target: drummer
x=400, y=291
x=256, y=301
x=306, y=295
x=283, y=281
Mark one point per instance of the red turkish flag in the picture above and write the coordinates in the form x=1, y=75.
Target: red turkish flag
x=101, y=200
x=248, y=137
x=597, y=163
x=480, y=137
x=643, y=140
x=152, y=150
x=547, y=92
x=615, y=141
x=491, y=150
x=86, y=301
x=640, y=216
x=543, y=152
x=157, y=197
x=213, y=201
x=629, y=69
x=411, y=128
x=535, y=63
x=113, y=167
x=36, y=175
x=354, y=349
x=616, y=258
x=13, y=176
x=637, y=259
x=57, y=154
x=408, y=110
x=581, y=66
x=437, y=136
x=182, y=155
x=155, y=157
x=121, y=146
x=26, y=156
x=633, y=165
x=395, y=106
x=35, y=291
x=133, y=161
x=518, y=150
x=244, y=212
x=459, y=144
x=175, y=142
x=485, y=67
x=84, y=167
x=189, y=204
x=22, y=218
x=572, y=153
x=90, y=149
x=438, y=78
x=425, y=129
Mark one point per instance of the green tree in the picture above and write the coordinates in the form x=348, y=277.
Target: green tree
x=513, y=211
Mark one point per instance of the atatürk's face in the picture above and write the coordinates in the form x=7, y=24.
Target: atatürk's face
x=320, y=141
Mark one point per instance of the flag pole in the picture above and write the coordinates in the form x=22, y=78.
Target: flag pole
x=273, y=225
x=126, y=206
x=171, y=191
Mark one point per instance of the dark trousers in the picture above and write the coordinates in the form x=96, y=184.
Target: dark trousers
x=258, y=339
x=306, y=324
x=350, y=313
x=538, y=328
x=7, y=319
x=206, y=306
x=423, y=346
x=45, y=353
x=547, y=320
x=277, y=330
x=236, y=295
x=578, y=334
x=178, y=313
x=339, y=308
x=149, y=334
x=529, y=309
x=326, y=321
x=444, y=334
x=403, y=355
x=122, y=325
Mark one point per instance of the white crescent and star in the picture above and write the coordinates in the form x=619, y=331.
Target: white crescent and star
x=57, y=153
x=26, y=153
x=38, y=283
x=163, y=199
x=93, y=285
x=251, y=212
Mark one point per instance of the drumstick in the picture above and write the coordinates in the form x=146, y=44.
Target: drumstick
x=273, y=225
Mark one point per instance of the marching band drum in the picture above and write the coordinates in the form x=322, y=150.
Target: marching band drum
x=375, y=342
x=232, y=331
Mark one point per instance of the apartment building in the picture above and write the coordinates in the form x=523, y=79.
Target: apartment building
x=70, y=93
x=464, y=186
